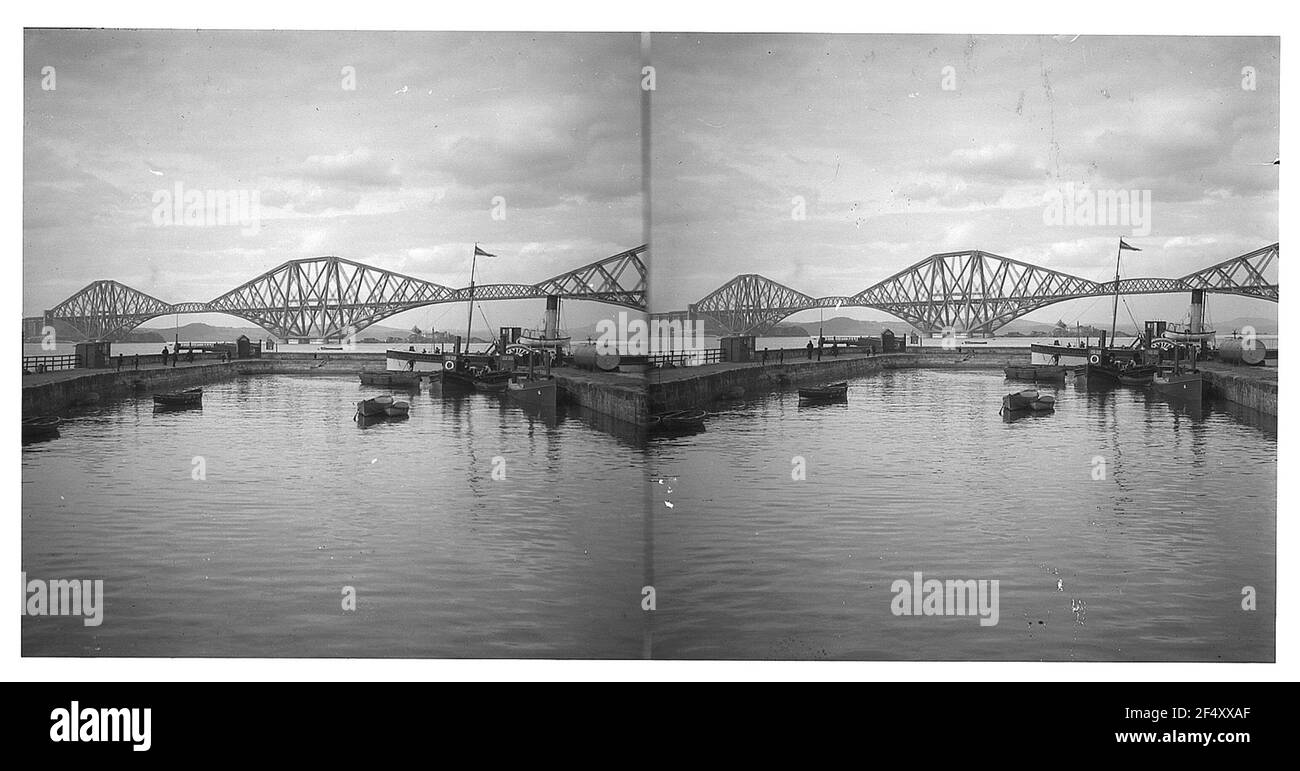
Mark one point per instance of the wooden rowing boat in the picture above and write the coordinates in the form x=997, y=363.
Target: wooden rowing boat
x=1140, y=380
x=682, y=420
x=492, y=381
x=1020, y=400
x=1043, y=403
x=825, y=393
x=372, y=407
x=42, y=426
x=192, y=397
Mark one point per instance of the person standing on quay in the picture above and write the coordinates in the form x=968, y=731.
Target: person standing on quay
x=164, y=355
x=810, y=347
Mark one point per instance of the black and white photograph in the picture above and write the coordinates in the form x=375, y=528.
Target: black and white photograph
x=991, y=366
x=673, y=346
x=309, y=344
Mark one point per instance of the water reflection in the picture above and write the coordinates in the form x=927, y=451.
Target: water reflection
x=472, y=528
x=1149, y=514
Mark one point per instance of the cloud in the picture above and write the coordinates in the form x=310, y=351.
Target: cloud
x=356, y=168
x=861, y=128
x=1004, y=162
x=361, y=173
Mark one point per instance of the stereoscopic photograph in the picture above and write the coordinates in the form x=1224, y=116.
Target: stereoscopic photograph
x=308, y=340
x=722, y=346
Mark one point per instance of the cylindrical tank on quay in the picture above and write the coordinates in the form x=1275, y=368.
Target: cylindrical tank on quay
x=592, y=357
x=1236, y=350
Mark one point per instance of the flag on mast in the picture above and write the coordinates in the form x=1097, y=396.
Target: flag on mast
x=1123, y=245
x=478, y=252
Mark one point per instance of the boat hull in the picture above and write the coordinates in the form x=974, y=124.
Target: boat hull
x=1057, y=355
x=388, y=379
x=492, y=382
x=1043, y=404
x=455, y=380
x=1185, y=387
x=370, y=408
x=1035, y=372
x=190, y=398
x=36, y=428
x=1138, y=381
x=825, y=393
x=533, y=393
x=680, y=421
x=1021, y=400
x=415, y=361
x=1110, y=373
x=543, y=342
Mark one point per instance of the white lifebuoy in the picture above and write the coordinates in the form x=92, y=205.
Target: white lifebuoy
x=1094, y=359
x=449, y=365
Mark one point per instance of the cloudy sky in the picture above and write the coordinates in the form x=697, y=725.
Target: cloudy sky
x=400, y=172
x=893, y=167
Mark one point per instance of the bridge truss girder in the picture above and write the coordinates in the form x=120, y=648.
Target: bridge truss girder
x=326, y=297
x=972, y=291
x=103, y=308
x=331, y=297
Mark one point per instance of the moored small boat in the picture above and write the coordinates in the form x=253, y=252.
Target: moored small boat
x=190, y=398
x=43, y=426
x=682, y=420
x=1140, y=380
x=364, y=421
x=397, y=409
x=456, y=381
x=1189, y=386
x=825, y=393
x=1043, y=403
x=492, y=381
x=1020, y=400
x=372, y=407
x=539, y=338
x=533, y=392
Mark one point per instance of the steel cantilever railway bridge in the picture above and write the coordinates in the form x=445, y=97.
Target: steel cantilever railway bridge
x=332, y=298
x=972, y=291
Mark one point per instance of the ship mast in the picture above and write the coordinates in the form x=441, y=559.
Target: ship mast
x=1114, y=313
x=469, y=325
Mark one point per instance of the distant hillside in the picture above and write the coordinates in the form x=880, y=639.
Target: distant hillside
x=209, y=333
x=1262, y=325
x=840, y=325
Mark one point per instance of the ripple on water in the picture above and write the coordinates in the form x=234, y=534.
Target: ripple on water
x=298, y=502
x=918, y=472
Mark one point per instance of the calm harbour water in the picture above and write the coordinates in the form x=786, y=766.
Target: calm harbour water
x=915, y=472
x=299, y=502
x=918, y=472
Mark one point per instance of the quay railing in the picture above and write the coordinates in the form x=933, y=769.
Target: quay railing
x=697, y=358
x=35, y=364
x=685, y=358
